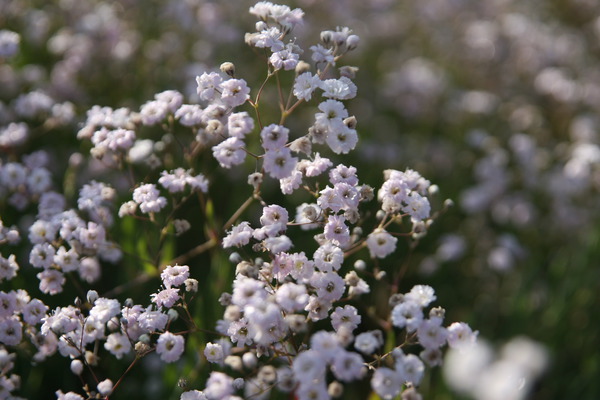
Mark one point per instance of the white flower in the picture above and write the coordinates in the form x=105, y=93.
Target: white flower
x=117, y=344
x=386, y=383
x=423, y=295
x=235, y=92
x=170, y=347
x=368, y=342
x=208, y=85
x=274, y=136
x=381, y=244
x=279, y=163
x=239, y=124
x=410, y=368
x=342, y=140
x=229, y=152
x=460, y=335
x=305, y=85
x=407, y=314
x=214, y=353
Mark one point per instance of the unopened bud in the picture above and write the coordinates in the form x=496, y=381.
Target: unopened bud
x=352, y=42
x=326, y=37
x=228, y=68
x=350, y=122
x=302, y=67
x=348, y=71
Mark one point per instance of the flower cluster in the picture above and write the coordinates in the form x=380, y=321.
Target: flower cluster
x=294, y=318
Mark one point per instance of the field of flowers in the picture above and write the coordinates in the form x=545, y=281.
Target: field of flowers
x=344, y=199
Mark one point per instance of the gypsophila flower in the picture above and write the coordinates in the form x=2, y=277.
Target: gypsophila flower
x=407, y=314
x=209, y=85
x=149, y=199
x=346, y=316
x=174, y=275
x=381, y=244
x=170, y=347
x=214, y=353
x=322, y=55
x=189, y=115
x=9, y=43
x=165, y=298
x=218, y=386
x=117, y=344
x=386, y=383
x=239, y=235
x=104, y=309
x=340, y=89
x=305, y=85
x=422, y=295
x=279, y=163
x=154, y=112
x=274, y=136
x=460, y=335
x=229, y=152
x=235, y=92
x=368, y=342
x=239, y=124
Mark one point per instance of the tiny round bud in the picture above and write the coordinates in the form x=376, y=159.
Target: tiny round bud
x=360, y=265
x=326, y=37
x=380, y=215
x=76, y=367
x=261, y=26
x=351, y=122
x=77, y=302
x=352, y=42
x=235, y=257
x=182, y=383
x=91, y=358
x=249, y=360
x=267, y=374
x=234, y=362
x=228, y=68
x=380, y=275
x=191, y=285
x=433, y=189
x=302, y=67
x=173, y=315
x=141, y=348
x=225, y=299
x=448, y=203
x=238, y=383
x=395, y=299
x=92, y=296
x=437, y=312
x=105, y=387
x=255, y=180
x=75, y=160
x=335, y=389
x=348, y=71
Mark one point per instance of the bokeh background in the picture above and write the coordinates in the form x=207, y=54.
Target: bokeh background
x=495, y=101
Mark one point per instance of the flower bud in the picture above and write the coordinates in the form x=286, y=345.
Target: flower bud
x=228, y=68
x=352, y=42
x=302, y=67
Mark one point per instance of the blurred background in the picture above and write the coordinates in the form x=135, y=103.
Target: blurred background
x=495, y=101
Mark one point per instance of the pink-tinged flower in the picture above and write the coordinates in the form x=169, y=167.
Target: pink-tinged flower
x=235, y=92
x=229, y=152
x=165, y=298
x=174, y=275
x=279, y=163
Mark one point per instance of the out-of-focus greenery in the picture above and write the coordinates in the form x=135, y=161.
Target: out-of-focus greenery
x=454, y=89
